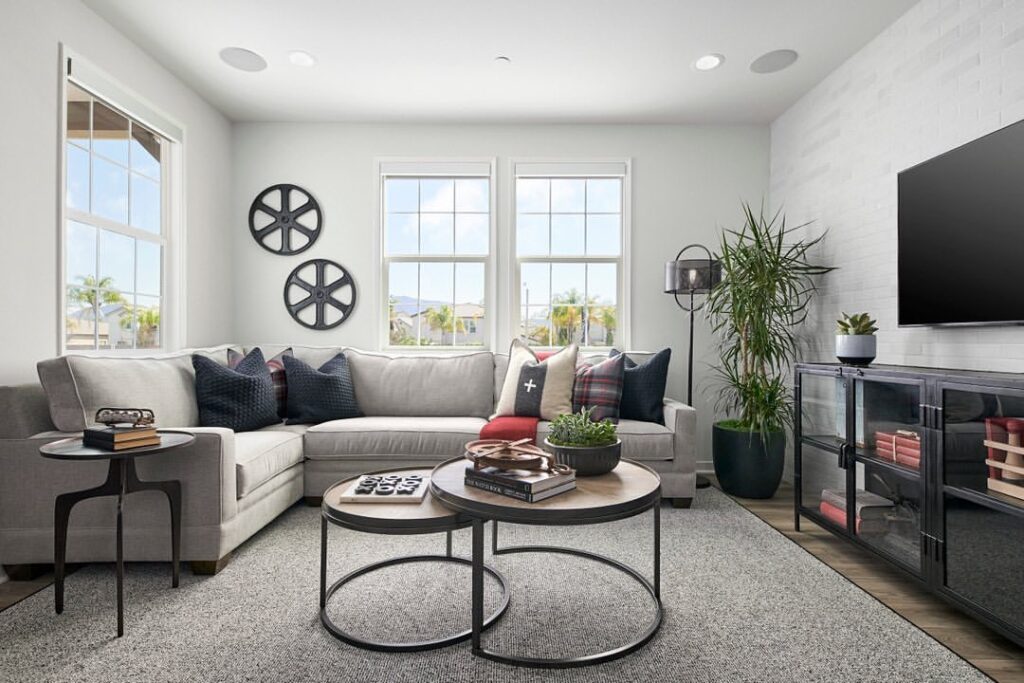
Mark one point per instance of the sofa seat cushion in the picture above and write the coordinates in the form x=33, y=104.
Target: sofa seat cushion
x=640, y=440
x=261, y=455
x=392, y=437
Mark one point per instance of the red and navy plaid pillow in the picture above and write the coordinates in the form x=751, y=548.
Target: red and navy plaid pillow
x=277, y=376
x=599, y=387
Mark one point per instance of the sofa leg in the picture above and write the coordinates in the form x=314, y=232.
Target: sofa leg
x=682, y=502
x=313, y=501
x=209, y=567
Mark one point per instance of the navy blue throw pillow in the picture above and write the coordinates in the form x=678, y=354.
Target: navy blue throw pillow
x=643, y=387
x=239, y=398
x=320, y=395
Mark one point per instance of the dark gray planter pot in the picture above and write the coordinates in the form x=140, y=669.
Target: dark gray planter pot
x=856, y=349
x=745, y=465
x=588, y=461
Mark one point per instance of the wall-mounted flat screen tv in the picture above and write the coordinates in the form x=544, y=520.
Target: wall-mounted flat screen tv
x=961, y=234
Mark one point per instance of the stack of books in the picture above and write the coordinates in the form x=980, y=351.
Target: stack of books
x=120, y=438
x=902, y=447
x=528, y=485
x=871, y=510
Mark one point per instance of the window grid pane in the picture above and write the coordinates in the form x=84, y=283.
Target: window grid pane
x=436, y=302
x=114, y=279
x=566, y=301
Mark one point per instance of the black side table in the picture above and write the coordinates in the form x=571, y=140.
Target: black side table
x=121, y=480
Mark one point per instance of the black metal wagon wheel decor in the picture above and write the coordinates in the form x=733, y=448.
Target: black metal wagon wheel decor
x=320, y=294
x=277, y=226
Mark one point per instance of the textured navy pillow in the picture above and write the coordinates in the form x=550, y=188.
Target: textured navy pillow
x=239, y=398
x=643, y=388
x=320, y=395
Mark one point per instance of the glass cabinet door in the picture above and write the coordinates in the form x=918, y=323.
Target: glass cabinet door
x=823, y=408
x=823, y=485
x=823, y=478
x=888, y=512
x=887, y=422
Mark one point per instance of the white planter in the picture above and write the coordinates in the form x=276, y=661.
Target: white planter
x=856, y=349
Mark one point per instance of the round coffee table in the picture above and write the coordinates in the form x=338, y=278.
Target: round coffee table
x=121, y=480
x=630, y=489
x=427, y=517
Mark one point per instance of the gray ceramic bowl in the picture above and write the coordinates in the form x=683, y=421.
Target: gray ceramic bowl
x=588, y=461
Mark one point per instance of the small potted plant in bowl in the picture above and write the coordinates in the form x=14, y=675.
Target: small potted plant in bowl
x=589, y=447
x=855, y=339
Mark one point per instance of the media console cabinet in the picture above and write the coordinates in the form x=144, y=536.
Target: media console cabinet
x=952, y=517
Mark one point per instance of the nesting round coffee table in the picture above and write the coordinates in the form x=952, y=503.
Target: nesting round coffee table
x=427, y=517
x=628, y=490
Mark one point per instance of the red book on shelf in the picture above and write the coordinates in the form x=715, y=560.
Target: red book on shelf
x=835, y=515
x=907, y=461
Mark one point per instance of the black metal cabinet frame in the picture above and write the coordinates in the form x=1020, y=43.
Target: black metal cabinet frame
x=932, y=386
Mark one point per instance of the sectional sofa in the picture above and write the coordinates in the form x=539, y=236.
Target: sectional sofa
x=419, y=410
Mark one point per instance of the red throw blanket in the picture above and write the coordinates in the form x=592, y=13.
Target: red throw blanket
x=511, y=428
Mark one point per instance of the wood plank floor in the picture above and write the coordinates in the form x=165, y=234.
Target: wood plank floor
x=990, y=652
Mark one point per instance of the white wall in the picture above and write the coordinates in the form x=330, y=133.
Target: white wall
x=30, y=31
x=687, y=182
x=942, y=75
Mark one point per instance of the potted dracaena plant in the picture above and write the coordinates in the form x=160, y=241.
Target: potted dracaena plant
x=589, y=447
x=768, y=279
x=855, y=339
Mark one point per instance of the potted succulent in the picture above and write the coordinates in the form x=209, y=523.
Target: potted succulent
x=855, y=339
x=768, y=279
x=589, y=447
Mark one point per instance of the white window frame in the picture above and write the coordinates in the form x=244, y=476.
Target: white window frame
x=574, y=168
x=418, y=167
x=83, y=74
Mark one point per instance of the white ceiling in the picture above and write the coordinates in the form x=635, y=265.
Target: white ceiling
x=433, y=60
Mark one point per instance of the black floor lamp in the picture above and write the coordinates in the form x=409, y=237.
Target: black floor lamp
x=692, y=276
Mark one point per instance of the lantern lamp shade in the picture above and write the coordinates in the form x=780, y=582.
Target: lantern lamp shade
x=692, y=276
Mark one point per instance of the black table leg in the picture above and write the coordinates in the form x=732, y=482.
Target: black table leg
x=121, y=480
x=323, y=562
x=657, y=549
x=120, y=548
x=478, y=582
x=448, y=544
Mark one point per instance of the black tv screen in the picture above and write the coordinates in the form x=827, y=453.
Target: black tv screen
x=961, y=234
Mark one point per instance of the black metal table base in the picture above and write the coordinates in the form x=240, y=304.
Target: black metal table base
x=121, y=480
x=652, y=588
x=413, y=646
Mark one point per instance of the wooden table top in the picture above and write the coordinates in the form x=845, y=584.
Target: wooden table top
x=428, y=516
x=627, y=490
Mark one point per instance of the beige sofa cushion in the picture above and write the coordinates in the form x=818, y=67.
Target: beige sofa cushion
x=261, y=455
x=392, y=437
x=640, y=440
x=77, y=386
x=421, y=385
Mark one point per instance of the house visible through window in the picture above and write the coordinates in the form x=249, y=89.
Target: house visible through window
x=115, y=232
x=569, y=238
x=436, y=247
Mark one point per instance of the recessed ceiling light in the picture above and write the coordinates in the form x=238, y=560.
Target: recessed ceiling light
x=502, y=59
x=301, y=58
x=773, y=61
x=708, y=62
x=245, y=60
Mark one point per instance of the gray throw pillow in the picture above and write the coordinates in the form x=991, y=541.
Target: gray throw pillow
x=239, y=398
x=320, y=395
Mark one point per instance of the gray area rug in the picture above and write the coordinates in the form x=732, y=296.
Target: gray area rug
x=742, y=603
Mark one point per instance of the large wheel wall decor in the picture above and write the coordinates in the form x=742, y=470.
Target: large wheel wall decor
x=320, y=294
x=277, y=226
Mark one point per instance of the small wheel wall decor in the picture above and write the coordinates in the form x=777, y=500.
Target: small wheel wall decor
x=320, y=294
x=285, y=219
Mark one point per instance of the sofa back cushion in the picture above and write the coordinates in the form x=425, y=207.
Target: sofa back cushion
x=310, y=355
x=77, y=386
x=424, y=386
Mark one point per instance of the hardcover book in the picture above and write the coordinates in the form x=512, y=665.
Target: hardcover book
x=527, y=481
x=118, y=434
x=521, y=495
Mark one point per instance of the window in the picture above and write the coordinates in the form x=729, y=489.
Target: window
x=115, y=231
x=570, y=241
x=436, y=245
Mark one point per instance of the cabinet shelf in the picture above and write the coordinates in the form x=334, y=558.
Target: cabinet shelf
x=832, y=444
x=990, y=499
x=870, y=458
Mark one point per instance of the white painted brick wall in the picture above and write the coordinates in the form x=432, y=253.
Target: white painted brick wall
x=946, y=73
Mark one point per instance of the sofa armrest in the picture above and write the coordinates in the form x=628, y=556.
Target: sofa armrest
x=29, y=483
x=682, y=420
